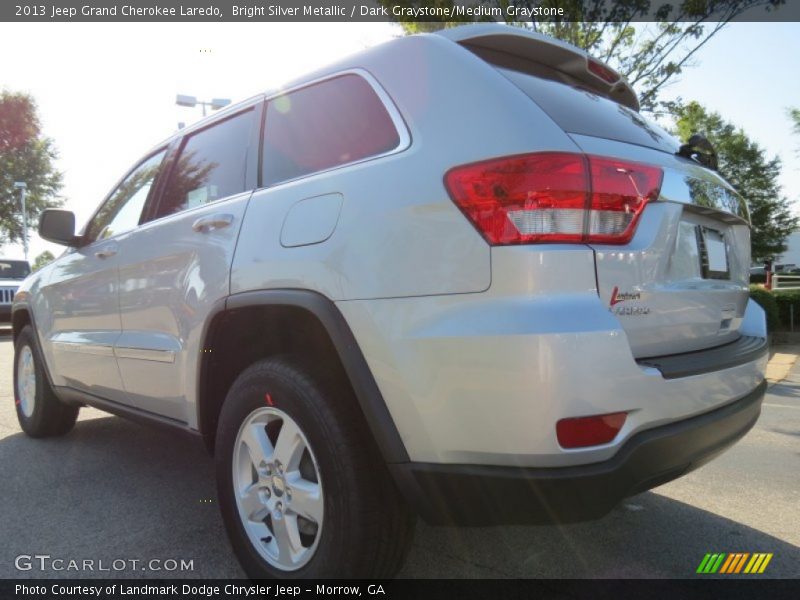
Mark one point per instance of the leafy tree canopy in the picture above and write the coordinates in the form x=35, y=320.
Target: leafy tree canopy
x=25, y=155
x=43, y=259
x=746, y=166
x=794, y=115
x=649, y=55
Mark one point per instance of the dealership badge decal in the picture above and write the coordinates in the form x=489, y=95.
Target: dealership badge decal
x=618, y=297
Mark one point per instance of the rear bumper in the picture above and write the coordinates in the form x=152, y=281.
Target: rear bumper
x=744, y=350
x=490, y=495
x=483, y=379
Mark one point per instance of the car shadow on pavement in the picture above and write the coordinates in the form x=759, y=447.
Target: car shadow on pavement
x=113, y=489
x=648, y=536
x=784, y=391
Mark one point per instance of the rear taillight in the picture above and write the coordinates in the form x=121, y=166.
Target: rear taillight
x=582, y=432
x=554, y=197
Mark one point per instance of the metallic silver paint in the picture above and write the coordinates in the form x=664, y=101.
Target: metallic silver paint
x=477, y=351
x=311, y=220
x=170, y=278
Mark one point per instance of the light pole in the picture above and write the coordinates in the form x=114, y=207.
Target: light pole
x=23, y=188
x=192, y=101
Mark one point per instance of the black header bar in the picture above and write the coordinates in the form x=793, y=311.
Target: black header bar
x=418, y=589
x=384, y=11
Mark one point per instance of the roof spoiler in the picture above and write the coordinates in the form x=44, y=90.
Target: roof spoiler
x=568, y=59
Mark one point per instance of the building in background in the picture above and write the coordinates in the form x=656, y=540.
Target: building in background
x=790, y=259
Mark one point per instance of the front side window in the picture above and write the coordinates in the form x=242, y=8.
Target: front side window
x=325, y=125
x=211, y=165
x=123, y=209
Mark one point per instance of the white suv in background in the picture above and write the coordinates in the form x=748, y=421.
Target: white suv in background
x=456, y=275
x=12, y=272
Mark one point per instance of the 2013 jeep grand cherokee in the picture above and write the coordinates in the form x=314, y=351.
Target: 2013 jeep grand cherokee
x=456, y=275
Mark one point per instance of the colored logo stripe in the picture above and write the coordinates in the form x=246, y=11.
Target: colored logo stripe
x=711, y=563
x=734, y=562
x=758, y=563
x=728, y=562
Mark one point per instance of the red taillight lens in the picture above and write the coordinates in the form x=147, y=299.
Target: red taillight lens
x=619, y=193
x=589, y=431
x=597, y=68
x=554, y=197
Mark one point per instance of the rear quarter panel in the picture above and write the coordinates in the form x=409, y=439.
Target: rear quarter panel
x=398, y=233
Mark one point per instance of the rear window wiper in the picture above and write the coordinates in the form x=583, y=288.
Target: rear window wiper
x=699, y=149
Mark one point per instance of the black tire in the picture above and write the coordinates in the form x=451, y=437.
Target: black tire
x=49, y=416
x=367, y=527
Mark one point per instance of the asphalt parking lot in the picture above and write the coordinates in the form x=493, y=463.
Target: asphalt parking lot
x=112, y=490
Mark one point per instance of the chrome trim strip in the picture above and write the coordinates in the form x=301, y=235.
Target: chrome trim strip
x=164, y=356
x=81, y=348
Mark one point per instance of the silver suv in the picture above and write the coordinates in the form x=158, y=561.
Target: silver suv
x=456, y=275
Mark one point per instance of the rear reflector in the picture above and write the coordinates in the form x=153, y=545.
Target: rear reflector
x=589, y=431
x=554, y=197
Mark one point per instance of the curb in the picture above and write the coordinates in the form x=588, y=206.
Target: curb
x=781, y=362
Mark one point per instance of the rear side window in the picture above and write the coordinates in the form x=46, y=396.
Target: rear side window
x=211, y=165
x=580, y=111
x=325, y=125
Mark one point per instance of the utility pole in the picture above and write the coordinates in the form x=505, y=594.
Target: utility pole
x=23, y=188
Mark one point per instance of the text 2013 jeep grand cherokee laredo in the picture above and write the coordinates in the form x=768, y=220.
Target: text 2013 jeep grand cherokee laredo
x=456, y=275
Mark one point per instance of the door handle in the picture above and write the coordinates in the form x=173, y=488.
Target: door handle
x=212, y=222
x=106, y=252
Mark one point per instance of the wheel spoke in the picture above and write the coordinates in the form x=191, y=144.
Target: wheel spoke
x=259, y=531
x=289, y=446
x=306, y=500
x=287, y=536
x=258, y=445
x=251, y=504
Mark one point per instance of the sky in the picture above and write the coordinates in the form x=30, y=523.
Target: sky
x=106, y=91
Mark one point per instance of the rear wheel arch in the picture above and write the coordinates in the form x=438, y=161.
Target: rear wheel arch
x=301, y=324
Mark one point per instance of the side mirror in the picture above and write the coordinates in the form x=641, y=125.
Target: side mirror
x=58, y=226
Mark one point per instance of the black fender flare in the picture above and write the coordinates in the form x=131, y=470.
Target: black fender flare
x=355, y=365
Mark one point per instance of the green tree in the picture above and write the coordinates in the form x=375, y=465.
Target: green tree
x=43, y=259
x=649, y=55
x=794, y=115
x=746, y=166
x=25, y=155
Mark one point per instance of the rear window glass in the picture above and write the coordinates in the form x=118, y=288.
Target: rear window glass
x=325, y=125
x=14, y=269
x=582, y=112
